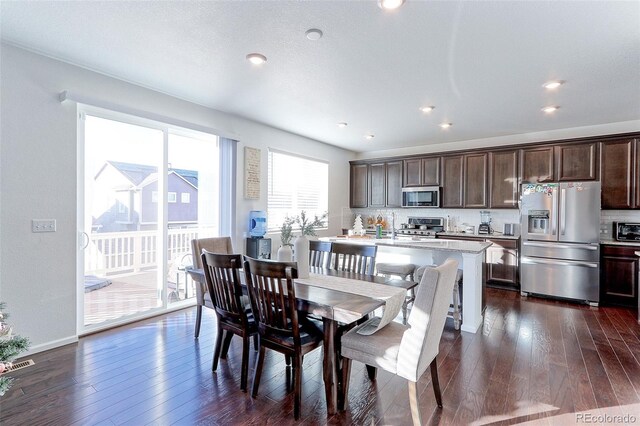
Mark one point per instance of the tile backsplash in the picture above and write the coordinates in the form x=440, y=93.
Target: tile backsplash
x=607, y=217
x=458, y=217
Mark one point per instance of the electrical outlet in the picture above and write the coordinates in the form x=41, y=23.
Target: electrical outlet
x=43, y=225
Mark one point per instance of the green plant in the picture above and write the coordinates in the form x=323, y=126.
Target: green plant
x=286, y=233
x=10, y=346
x=308, y=227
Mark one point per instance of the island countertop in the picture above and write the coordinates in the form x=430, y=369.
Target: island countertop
x=458, y=246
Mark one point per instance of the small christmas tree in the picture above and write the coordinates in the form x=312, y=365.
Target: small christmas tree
x=10, y=347
x=358, y=229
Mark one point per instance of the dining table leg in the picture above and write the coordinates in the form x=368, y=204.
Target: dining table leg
x=329, y=365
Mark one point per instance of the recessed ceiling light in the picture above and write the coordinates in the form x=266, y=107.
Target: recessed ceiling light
x=549, y=109
x=342, y=124
x=552, y=85
x=369, y=136
x=427, y=109
x=390, y=4
x=445, y=125
x=256, y=58
x=314, y=34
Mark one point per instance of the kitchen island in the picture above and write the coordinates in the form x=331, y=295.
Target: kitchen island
x=470, y=255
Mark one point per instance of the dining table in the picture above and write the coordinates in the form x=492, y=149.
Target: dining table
x=336, y=308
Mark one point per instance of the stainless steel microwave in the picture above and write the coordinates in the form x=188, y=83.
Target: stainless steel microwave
x=422, y=196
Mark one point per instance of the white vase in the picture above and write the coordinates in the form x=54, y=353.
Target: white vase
x=285, y=254
x=301, y=249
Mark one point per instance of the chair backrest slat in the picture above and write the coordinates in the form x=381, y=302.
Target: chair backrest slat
x=354, y=258
x=320, y=254
x=223, y=282
x=272, y=294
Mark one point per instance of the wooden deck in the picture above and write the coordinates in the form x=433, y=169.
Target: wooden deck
x=535, y=360
x=128, y=295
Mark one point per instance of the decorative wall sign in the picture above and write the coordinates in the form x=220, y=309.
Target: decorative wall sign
x=251, y=173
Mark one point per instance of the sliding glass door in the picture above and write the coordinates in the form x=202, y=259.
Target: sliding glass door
x=148, y=190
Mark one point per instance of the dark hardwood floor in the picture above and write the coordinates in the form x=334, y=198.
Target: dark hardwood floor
x=535, y=360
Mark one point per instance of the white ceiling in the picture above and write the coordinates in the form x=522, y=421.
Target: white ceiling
x=481, y=64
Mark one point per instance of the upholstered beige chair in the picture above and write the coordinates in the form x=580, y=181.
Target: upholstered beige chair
x=219, y=245
x=407, y=350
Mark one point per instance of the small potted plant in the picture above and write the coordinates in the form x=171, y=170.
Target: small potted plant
x=285, y=254
x=301, y=244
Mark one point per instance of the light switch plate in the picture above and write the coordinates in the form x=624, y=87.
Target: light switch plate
x=43, y=225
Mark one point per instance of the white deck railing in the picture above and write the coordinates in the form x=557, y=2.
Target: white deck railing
x=112, y=252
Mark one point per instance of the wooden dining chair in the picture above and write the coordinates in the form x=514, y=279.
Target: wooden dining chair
x=319, y=254
x=222, y=275
x=280, y=326
x=406, y=350
x=354, y=257
x=221, y=245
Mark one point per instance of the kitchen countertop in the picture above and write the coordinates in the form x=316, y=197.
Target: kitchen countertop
x=620, y=243
x=479, y=236
x=425, y=244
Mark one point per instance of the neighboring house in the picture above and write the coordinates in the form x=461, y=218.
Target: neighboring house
x=132, y=201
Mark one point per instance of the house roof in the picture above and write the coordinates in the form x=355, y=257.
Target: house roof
x=139, y=173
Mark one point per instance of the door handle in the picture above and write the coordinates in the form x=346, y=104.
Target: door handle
x=85, y=237
x=562, y=246
x=554, y=213
x=563, y=204
x=531, y=261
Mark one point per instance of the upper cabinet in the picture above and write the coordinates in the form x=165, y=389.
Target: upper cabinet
x=376, y=185
x=452, y=181
x=475, y=180
x=559, y=163
x=491, y=178
x=394, y=184
x=358, y=196
x=504, y=185
x=537, y=164
x=619, y=174
x=422, y=172
x=577, y=161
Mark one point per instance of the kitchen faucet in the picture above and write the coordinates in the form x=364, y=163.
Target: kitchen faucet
x=393, y=225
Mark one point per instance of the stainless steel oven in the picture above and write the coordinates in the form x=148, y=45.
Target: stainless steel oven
x=422, y=196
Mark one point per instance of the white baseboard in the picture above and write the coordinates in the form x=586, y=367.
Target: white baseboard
x=49, y=345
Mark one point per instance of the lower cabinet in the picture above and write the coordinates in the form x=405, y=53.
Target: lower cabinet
x=619, y=275
x=501, y=266
x=502, y=262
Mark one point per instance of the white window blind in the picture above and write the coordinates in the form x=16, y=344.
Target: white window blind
x=294, y=184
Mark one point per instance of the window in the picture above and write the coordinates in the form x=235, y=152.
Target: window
x=172, y=197
x=185, y=197
x=154, y=196
x=295, y=183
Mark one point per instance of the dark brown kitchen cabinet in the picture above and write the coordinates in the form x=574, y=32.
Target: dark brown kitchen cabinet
x=619, y=275
x=359, y=184
x=618, y=175
x=503, y=179
x=502, y=262
x=452, y=181
x=377, y=185
x=394, y=184
x=577, y=161
x=537, y=164
x=636, y=178
x=475, y=180
x=422, y=172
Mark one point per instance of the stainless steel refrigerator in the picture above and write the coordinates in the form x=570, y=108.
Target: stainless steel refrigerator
x=560, y=226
